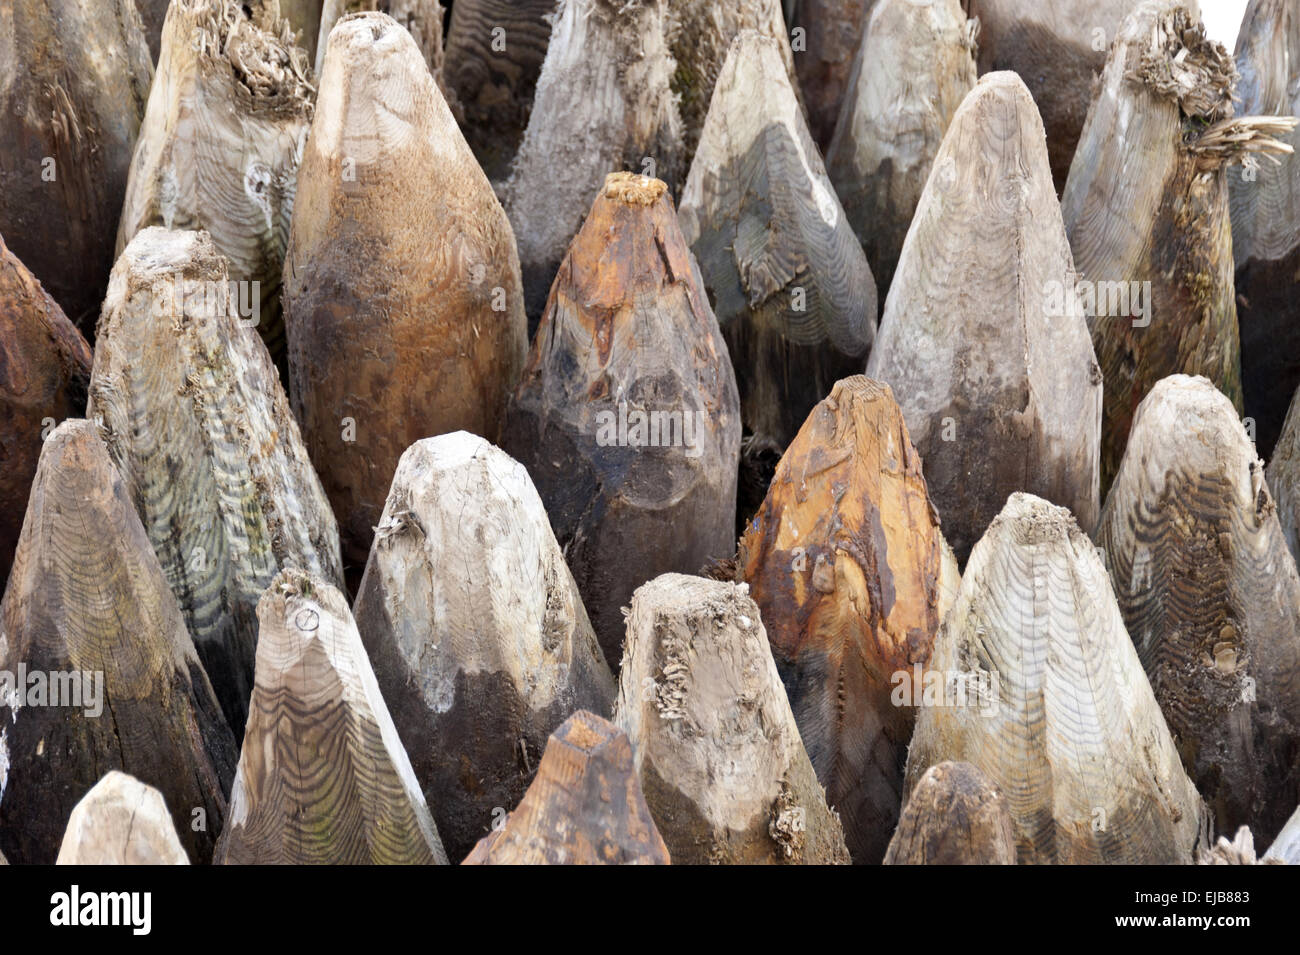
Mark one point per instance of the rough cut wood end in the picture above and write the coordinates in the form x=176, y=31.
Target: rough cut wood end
x=121, y=822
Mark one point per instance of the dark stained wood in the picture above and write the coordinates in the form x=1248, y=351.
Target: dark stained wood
x=121, y=821
x=847, y=564
x=714, y=741
x=831, y=33
x=88, y=596
x=955, y=816
x=1211, y=598
x=999, y=392
x=1284, y=478
x=627, y=416
x=584, y=807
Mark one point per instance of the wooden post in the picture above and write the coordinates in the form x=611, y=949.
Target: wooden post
x=475, y=629
x=992, y=405
x=713, y=738
x=421, y=18
x=43, y=379
x=603, y=102
x=956, y=816
x=494, y=55
x=585, y=807
x=96, y=667
x=1284, y=478
x=304, y=20
x=1211, y=597
x=402, y=298
x=323, y=778
x=197, y=423
x=792, y=290
x=74, y=75
x=846, y=562
x=915, y=65
x=121, y=821
x=1146, y=209
x=627, y=416
x=1286, y=847
x=825, y=35
x=1034, y=681
x=1058, y=48
x=1264, y=199
x=220, y=144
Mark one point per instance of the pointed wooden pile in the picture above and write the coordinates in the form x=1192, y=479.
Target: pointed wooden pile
x=627, y=416
x=847, y=564
x=603, y=102
x=101, y=672
x=1146, y=209
x=1264, y=200
x=714, y=741
x=421, y=18
x=956, y=816
x=475, y=629
x=43, y=379
x=73, y=81
x=1211, y=598
x=121, y=821
x=197, y=423
x=584, y=807
x=982, y=340
x=1036, y=684
x=1284, y=477
x=831, y=32
x=323, y=778
x=220, y=144
x=494, y=55
x=914, y=66
x=402, y=298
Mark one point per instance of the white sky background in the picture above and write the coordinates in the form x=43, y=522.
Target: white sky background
x=1222, y=19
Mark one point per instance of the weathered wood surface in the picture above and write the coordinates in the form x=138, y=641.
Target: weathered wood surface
x=1058, y=47
x=1000, y=390
x=1240, y=850
x=220, y=143
x=402, y=295
x=475, y=628
x=87, y=596
x=823, y=57
x=1284, y=477
x=847, y=564
x=494, y=55
x=74, y=75
x=121, y=821
x=914, y=66
x=152, y=15
x=1038, y=686
x=304, y=20
x=1286, y=847
x=603, y=103
x=1211, y=597
x=44, y=371
x=1146, y=209
x=627, y=416
x=323, y=778
x=1264, y=199
x=420, y=18
x=956, y=816
x=785, y=274
x=584, y=807
x=194, y=416
x=713, y=738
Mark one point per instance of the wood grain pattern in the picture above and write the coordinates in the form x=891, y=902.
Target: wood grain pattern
x=193, y=414
x=220, y=144
x=1284, y=477
x=323, y=778
x=74, y=75
x=44, y=371
x=603, y=103
x=1211, y=598
x=999, y=392
x=403, y=307
x=832, y=32
x=584, y=807
x=1264, y=200
x=420, y=18
x=494, y=55
x=847, y=564
x=627, y=416
x=475, y=628
x=713, y=738
x=789, y=283
x=88, y=596
x=956, y=816
x=121, y=821
x=914, y=66
x=1056, y=710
